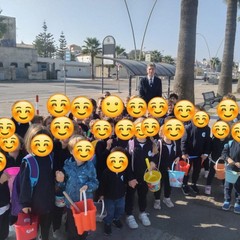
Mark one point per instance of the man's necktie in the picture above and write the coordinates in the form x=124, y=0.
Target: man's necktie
x=151, y=82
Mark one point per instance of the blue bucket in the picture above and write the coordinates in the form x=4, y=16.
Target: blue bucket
x=231, y=176
x=175, y=177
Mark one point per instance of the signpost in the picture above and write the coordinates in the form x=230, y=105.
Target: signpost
x=67, y=59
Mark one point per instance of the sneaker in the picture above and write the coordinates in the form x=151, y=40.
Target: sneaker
x=107, y=229
x=168, y=202
x=157, y=204
x=185, y=189
x=195, y=188
x=206, y=174
x=237, y=208
x=226, y=206
x=131, y=222
x=117, y=223
x=208, y=189
x=144, y=219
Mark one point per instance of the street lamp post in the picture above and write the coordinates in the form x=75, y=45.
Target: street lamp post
x=205, y=40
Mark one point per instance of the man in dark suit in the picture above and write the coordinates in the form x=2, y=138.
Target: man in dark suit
x=150, y=86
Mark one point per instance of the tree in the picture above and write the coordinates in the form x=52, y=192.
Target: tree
x=92, y=47
x=225, y=81
x=120, y=51
x=156, y=56
x=62, y=46
x=214, y=62
x=168, y=59
x=45, y=43
x=3, y=26
x=184, y=77
x=131, y=55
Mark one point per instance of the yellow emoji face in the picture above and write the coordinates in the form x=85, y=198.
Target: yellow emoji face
x=173, y=129
x=117, y=161
x=138, y=131
x=236, y=131
x=220, y=129
x=7, y=128
x=41, y=145
x=102, y=129
x=3, y=161
x=23, y=111
x=9, y=144
x=112, y=106
x=136, y=107
x=227, y=110
x=200, y=119
x=124, y=129
x=58, y=105
x=62, y=127
x=81, y=107
x=157, y=107
x=83, y=150
x=150, y=127
x=184, y=110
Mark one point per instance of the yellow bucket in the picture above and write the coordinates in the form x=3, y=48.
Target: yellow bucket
x=153, y=179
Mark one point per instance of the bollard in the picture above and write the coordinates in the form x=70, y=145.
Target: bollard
x=37, y=100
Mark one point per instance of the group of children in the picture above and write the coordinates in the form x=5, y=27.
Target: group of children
x=60, y=171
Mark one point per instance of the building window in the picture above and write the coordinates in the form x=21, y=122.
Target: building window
x=14, y=64
x=1, y=65
x=27, y=65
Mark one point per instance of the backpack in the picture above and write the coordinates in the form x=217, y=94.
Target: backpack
x=31, y=161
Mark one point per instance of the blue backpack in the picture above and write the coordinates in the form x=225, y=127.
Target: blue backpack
x=31, y=161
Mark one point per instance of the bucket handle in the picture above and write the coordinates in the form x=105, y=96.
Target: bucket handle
x=103, y=207
x=216, y=163
x=84, y=198
x=71, y=202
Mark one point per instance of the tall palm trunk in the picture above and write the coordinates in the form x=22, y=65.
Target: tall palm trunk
x=225, y=82
x=184, y=77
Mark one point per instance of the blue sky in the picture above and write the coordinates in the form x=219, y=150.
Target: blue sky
x=79, y=19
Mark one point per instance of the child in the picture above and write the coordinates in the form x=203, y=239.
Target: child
x=112, y=189
x=40, y=200
x=169, y=152
x=143, y=148
x=79, y=176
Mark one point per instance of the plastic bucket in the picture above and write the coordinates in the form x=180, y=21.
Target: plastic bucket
x=12, y=172
x=26, y=227
x=183, y=166
x=220, y=170
x=153, y=179
x=101, y=212
x=231, y=176
x=175, y=177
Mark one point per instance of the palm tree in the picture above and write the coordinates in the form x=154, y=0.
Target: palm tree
x=168, y=59
x=214, y=62
x=92, y=47
x=184, y=77
x=225, y=81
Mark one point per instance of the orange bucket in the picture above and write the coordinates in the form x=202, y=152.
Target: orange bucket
x=220, y=170
x=85, y=220
x=183, y=166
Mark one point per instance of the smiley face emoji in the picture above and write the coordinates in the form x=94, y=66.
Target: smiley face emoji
x=138, y=131
x=236, y=131
x=227, y=110
x=3, y=161
x=7, y=128
x=124, y=129
x=83, y=150
x=58, y=105
x=23, y=111
x=102, y=129
x=112, y=106
x=81, y=107
x=157, y=107
x=173, y=129
x=62, y=127
x=220, y=129
x=184, y=110
x=200, y=119
x=150, y=127
x=117, y=161
x=9, y=144
x=136, y=107
x=41, y=145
